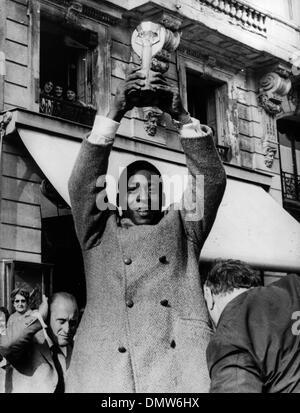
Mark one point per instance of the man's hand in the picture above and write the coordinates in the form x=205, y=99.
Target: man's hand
x=171, y=101
x=122, y=102
x=43, y=308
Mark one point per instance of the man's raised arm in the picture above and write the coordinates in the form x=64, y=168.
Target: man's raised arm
x=207, y=180
x=87, y=182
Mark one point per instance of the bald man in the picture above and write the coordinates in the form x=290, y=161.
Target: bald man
x=40, y=353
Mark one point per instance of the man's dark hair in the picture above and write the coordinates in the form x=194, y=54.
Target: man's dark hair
x=229, y=274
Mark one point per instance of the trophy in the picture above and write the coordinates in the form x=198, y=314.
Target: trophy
x=153, y=43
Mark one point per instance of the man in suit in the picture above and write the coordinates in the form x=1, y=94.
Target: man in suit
x=145, y=327
x=40, y=355
x=256, y=346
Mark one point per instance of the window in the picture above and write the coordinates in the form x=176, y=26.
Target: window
x=67, y=71
x=289, y=139
x=201, y=99
x=203, y=96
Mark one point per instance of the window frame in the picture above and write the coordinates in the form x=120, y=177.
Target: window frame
x=187, y=63
x=102, y=83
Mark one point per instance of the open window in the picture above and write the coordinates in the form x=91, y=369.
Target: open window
x=68, y=58
x=201, y=99
x=204, y=102
x=289, y=144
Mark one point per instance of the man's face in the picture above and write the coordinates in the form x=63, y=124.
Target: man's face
x=58, y=91
x=63, y=321
x=71, y=95
x=20, y=304
x=144, y=198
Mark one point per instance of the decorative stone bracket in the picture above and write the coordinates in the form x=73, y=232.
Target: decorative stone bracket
x=152, y=117
x=273, y=87
x=73, y=12
x=270, y=151
x=4, y=121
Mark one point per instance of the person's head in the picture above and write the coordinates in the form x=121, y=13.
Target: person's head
x=71, y=95
x=48, y=86
x=63, y=318
x=20, y=300
x=226, y=280
x=58, y=90
x=141, y=194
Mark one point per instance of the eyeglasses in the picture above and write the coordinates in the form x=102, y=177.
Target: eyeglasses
x=19, y=301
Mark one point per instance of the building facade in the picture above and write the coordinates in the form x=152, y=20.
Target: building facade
x=238, y=69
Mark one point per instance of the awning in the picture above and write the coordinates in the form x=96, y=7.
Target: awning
x=253, y=227
x=250, y=224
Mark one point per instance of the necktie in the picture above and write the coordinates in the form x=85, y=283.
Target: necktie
x=60, y=387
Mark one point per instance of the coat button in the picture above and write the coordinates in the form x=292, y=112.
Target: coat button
x=164, y=303
x=122, y=349
x=129, y=303
x=173, y=344
x=127, y=261
x=163, y=259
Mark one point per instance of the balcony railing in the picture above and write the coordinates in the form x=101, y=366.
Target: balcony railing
x=291, y=186
x=76, y=112
x=240, y=14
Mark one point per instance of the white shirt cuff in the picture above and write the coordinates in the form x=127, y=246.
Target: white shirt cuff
x=194, y=130
x=104, y=131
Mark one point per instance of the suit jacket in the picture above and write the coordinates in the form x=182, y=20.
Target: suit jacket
x=145, y=326
x=31, y=367
x=256, y=347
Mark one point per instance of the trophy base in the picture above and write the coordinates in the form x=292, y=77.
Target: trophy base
x=148, y=97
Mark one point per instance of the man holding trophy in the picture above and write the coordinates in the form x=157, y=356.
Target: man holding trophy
x=145, y=327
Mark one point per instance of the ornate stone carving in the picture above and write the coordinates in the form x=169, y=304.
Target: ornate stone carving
x=208, y=66
x=271, y=106
x=272, y=89
x=74, y=9
x=270, y=151
x=152, y=116
x=6, y=118
x=167, y=20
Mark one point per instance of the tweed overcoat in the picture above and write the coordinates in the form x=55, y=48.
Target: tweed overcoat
x=145, y=326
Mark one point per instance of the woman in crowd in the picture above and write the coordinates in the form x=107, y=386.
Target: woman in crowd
x=20, y=301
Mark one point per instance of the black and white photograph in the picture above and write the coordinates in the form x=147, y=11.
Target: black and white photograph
x=149, y=199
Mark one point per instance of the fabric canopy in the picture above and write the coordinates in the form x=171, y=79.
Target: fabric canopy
x=250, y=224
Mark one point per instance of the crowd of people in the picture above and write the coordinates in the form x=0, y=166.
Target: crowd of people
x=152, y=323
x=64, y=103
